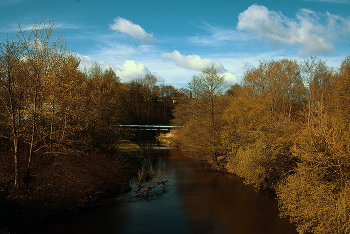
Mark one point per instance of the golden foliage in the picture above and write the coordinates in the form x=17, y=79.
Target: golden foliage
x=286, y=127
x=200, y=112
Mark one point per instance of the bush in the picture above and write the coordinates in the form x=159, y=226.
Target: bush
x=261, y=164
x=68, y=183
x=131, y=151
x=249, y=163
x=314, y=205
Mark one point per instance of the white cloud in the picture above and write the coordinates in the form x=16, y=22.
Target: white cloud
x=193, y=62
x=305, y=30
x=31, y=25
x=134, y=30
x=66, y=26
x=218, y=36
x=340, y=25
x=116, y=50
x=131, y=70
x=230, y=78
x=5, y=3
x=85, y=61
x=331, y=1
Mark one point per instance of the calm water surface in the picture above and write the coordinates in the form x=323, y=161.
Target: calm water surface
x=195, y=200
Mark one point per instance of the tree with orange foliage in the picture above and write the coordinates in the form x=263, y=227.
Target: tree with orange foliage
x=200, y=114
x=261, y=121
x=316, y=195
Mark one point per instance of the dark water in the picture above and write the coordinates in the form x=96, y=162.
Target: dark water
x=195, y=200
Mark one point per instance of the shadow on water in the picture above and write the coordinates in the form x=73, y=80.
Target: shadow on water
x=195, y=200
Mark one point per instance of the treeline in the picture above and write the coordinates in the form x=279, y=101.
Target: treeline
x=286, y=127
x=59, y=124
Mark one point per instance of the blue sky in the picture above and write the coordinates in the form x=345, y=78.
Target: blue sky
x=175, y=39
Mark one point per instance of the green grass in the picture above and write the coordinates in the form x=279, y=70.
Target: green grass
x=130, y=150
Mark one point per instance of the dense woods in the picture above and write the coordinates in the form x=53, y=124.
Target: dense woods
x=285, y=128
x=59, y=132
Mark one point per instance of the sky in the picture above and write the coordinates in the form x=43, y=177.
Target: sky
x=174, y=40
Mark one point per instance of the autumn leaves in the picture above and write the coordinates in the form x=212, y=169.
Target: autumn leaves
x=285, y=127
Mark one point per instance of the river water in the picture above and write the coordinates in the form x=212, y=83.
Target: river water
x=194, y=200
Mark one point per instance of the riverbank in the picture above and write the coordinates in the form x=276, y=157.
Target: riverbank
x=70, y=184
x=171, y=139
x=195, y=199
x=166, y=138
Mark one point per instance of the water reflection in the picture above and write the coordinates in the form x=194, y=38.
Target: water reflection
x=196, y=200
x=218, y=203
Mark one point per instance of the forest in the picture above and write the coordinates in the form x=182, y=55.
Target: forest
x=285, y=127
x=60, y=141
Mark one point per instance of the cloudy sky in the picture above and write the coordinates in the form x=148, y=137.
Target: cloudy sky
x=175, y=39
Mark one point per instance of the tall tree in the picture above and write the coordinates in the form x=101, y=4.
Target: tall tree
x=167, y=95
x=13, y=91
x=37, y=77
x=316, y=195
x=280, y=84
x=135, y=99
x=201, y=114
x=261, y=121
x=42, y=55
x=35, y=56
x=149, y=84
x=104, y=104
x=319, y=80
x=341, y=92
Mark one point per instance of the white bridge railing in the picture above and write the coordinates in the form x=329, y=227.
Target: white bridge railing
x=150, y=127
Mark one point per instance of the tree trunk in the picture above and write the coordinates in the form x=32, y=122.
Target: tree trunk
x=32, y=138
x=15, y=161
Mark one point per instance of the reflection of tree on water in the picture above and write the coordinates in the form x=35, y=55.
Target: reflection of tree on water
x=144, y=188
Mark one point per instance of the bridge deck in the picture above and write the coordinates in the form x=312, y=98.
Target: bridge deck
x=150, y=127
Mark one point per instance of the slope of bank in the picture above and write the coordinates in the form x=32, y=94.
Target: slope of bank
x=70, y=183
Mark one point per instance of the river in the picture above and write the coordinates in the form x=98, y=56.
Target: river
x=194, y=200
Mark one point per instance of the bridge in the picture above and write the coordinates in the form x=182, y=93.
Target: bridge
x=158, y=128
